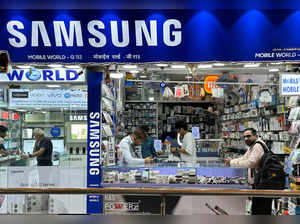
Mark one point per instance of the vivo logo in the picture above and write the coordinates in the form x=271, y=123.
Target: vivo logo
x=99, y=34
x=43, y=75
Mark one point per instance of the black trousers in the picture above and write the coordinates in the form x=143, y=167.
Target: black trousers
x=261, y=206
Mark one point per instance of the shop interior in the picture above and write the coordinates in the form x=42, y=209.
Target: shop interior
x=217, y=101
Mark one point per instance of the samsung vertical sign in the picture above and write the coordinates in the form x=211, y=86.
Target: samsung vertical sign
x=43, y=75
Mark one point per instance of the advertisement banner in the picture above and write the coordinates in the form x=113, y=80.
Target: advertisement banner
x=43, y=75
x=289, y=84
x=101, y=36
x=47, y=98
x=94, y=202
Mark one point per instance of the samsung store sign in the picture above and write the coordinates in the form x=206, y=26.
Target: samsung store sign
x=43, y=75
x=105, y=36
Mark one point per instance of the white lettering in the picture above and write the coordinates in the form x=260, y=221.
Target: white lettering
x=60, y=30
x=176, y=34
x=36, y=27
x=115, y=33
x=101, y=37
x=141, y=28
x=22, y=38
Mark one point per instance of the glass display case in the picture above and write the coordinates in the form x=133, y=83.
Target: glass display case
x=175, y=175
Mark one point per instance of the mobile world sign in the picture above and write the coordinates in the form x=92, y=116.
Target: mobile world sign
x=43, y=75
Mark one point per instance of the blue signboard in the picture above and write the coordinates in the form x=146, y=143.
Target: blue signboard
x=83, y=36
x=55, y=131
x=94, y=202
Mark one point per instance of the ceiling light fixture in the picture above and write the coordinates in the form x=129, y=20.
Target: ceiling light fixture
x=116, y=75
x=23, y=66
x=218, y=64
x=73, y=66
x=130, y=66
x=53, y=86
x=252, y=65
x=204, y=66
x=161, y=65
x=55, y=66
x=134, y=71
x=143, y=76
x=178, y=66
x=188, y=77
x=273, y=70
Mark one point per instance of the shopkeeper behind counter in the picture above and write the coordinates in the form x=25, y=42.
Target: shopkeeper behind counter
x=187, y=151
x=130, y=156
x=42, y=149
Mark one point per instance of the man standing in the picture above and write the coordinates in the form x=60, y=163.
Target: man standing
x=3, y=134
x=42, y=148
x=127, y=148
x=187, y=151
x=251, y=160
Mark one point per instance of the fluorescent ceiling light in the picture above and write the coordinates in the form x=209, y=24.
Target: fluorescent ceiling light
x=188, y=77
x=21, y=110
x=151, y=98
x=273, y=70
x=143, y=76
x=252, y=65
x=130, y=66
x=116, y=75
x=134, y=71
x=55, y=66
x=178, y=66
x=276, y=63
x=73, y=66
x=218, y=64
x=204, y=66
x=53, y=86
x=24, y=66
x=162, y=65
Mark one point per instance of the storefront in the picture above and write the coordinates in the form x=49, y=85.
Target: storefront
x=221, y=71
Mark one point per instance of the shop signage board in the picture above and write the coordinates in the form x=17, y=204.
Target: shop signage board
x=94, y=202
x=43, y=75
x=290, y=84
x=47, y=98
x=83, y=36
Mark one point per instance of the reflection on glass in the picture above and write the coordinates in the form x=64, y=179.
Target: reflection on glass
x=79, y=131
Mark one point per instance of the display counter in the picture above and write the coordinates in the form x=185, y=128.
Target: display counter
x=176, y=174
x=16, y=160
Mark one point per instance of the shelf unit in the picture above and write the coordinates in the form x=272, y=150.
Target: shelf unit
x=108, y=124
x=195, y=115
x=269, y=120
x=139, y=113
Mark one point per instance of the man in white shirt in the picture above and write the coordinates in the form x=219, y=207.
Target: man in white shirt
x=129, y=156
x=251, y=160
x=187, y=151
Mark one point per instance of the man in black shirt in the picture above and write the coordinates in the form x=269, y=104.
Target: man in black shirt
x=42, y=148
x=3, y=133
